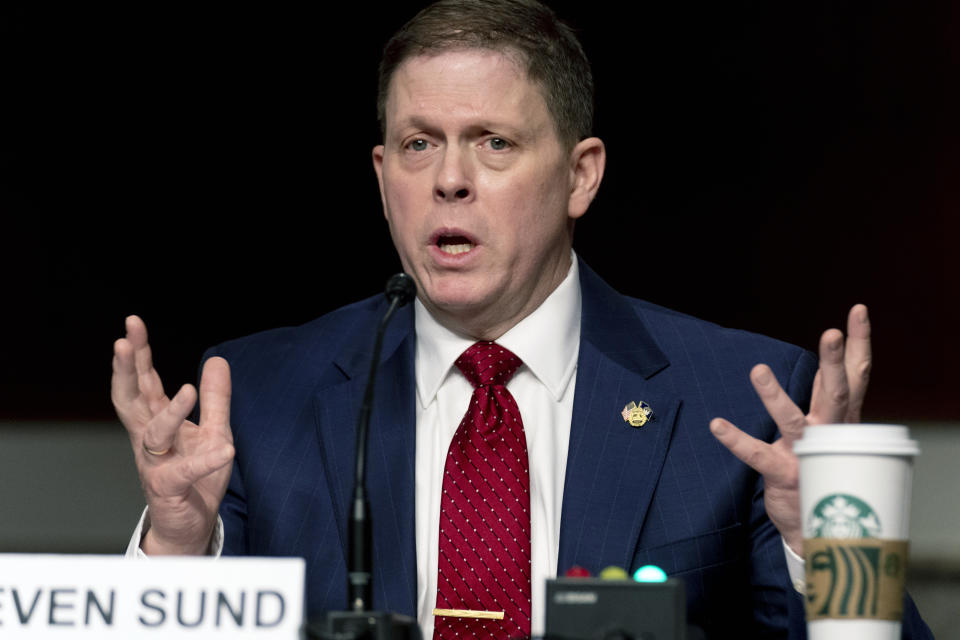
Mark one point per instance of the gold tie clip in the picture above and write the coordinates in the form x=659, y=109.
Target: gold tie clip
x=469, y=613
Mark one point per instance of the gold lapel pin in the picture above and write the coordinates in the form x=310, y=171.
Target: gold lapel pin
x=637, y=415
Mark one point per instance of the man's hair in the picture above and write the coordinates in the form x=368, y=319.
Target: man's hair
x=527, y=30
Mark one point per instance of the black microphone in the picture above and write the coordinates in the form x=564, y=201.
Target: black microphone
x=400, y=290
x=400, y=287
x=360, y=621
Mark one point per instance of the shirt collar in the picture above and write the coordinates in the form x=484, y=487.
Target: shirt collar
x=547, y=340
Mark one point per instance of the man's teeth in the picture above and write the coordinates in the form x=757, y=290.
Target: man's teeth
x=456, y=248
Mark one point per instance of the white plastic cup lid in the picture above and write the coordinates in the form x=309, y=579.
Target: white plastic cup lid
x=869, y=439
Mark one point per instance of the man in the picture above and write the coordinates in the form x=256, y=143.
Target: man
x=486, y=163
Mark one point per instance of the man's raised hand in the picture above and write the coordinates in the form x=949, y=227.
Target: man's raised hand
x=184, y=467
x=838, y=392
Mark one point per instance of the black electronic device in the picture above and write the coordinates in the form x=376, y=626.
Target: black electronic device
x=599, y=609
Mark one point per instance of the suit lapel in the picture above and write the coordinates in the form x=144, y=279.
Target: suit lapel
x=612, y=467
x=390, y=454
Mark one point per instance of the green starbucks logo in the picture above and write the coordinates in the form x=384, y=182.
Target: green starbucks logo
x=842, y=516
x=851, y=572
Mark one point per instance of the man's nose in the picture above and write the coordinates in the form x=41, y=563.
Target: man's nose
x=454, y=177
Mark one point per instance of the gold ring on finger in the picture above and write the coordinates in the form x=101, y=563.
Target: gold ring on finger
x=161, y=452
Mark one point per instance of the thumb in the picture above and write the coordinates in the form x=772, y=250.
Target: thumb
x=215, y=391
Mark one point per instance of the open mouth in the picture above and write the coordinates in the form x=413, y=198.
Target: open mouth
x=454, y=244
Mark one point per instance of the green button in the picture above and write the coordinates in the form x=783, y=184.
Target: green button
x=650, y=573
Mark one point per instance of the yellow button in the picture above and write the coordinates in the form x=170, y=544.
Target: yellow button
x=614, y=573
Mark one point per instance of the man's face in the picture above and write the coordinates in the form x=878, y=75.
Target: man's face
x=478, y=190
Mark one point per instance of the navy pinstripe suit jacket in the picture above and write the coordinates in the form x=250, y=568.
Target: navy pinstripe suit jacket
x=666, y=493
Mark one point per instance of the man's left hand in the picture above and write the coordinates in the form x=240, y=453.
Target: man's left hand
x=838, y=391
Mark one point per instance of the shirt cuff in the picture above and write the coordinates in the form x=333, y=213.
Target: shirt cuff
x=134, y=550
x=796, y=567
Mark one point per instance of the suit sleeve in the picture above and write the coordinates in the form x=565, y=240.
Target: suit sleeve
x=233, y=513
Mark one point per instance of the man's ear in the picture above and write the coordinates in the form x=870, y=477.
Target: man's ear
x=378, y=168
x=587, y=162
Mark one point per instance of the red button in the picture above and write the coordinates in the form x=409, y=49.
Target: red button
x=576, y=571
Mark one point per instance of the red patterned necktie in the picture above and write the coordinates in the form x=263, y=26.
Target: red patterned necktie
x=485, y=508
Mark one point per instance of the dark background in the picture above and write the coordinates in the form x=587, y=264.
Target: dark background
x=769, y=165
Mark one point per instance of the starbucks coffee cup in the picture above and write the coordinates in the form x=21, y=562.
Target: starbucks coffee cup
x=855, y=482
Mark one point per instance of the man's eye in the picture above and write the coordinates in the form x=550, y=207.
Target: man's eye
x=498, y=144
x=418, y=145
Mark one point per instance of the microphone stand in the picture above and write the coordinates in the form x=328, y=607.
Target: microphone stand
x=360, y=623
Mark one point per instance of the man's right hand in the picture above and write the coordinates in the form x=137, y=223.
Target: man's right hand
x=184, y=467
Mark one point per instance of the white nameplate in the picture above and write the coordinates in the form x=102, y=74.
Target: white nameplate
x=83, y=596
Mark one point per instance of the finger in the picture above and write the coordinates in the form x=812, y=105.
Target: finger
x=136, y=331
x=123, y=384
x=148, y=379
x=815, y=390
x=857, y=360
x=196, y=467
x=833, y=393
x=161, y=433
x=787, y=415
x=215, y=392
x=757, y=454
